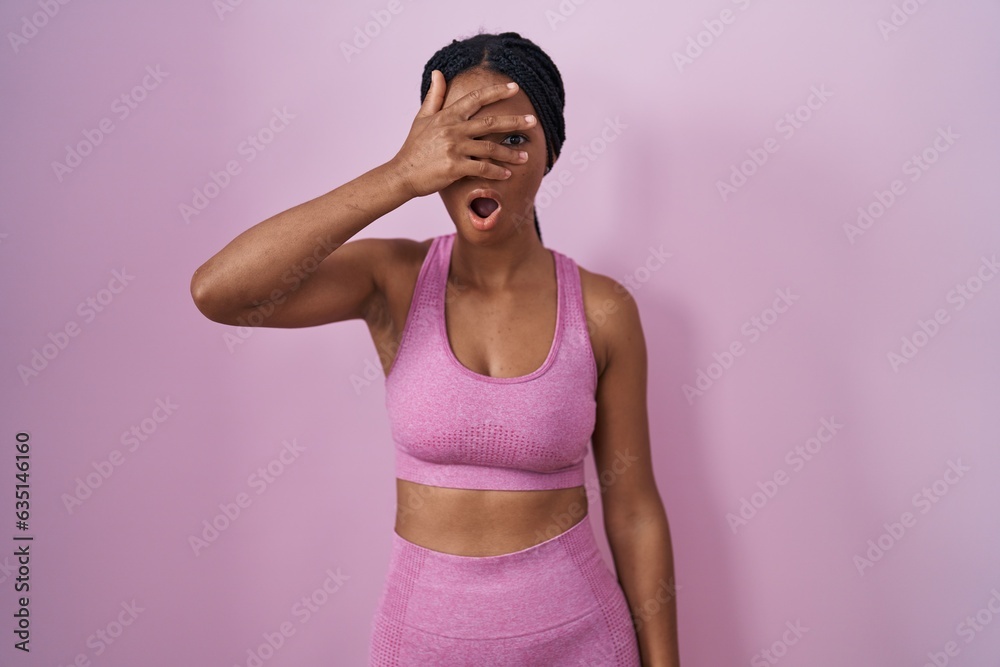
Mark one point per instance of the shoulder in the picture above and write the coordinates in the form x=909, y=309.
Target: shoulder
x=395, y=249
x=612, y=317
x=394, y=260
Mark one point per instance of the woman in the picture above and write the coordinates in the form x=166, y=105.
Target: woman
x=495, y=382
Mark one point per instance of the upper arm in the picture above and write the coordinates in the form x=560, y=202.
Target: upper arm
x=348, y=284
x=621, y=433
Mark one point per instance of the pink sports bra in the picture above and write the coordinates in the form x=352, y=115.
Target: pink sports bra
x=453, y=427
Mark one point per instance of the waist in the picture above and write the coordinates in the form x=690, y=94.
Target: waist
x=473, y=522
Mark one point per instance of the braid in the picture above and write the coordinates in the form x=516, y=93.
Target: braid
x=521, y=60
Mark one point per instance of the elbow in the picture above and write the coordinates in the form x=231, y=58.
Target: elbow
x=206, y=299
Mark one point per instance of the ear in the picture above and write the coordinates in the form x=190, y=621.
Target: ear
x=555, y=158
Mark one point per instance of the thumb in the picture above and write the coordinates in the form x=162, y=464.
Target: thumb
x=435, y=95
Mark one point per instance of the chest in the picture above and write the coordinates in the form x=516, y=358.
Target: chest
x=501, y=335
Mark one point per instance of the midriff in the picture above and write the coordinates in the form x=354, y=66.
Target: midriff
x=475, y=522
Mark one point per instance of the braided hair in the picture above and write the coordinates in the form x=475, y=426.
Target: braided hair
x=525, y=63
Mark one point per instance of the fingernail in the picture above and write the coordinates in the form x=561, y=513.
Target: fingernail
x=529, y=118
x=512, y=85
x=523, y=155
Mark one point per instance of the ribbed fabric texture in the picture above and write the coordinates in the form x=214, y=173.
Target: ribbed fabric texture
x=555, y=604
x=456, y=428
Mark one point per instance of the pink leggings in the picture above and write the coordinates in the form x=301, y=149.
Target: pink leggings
x=554, y=604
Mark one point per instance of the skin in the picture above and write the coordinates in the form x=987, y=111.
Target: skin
x=300, y=268
x=500, y=315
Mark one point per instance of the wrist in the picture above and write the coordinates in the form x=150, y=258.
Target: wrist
x=397, y=178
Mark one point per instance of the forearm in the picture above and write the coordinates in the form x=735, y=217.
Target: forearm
x=643, y=556
x=250, y=269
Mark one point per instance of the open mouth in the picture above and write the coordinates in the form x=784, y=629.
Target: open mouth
x=484, y=208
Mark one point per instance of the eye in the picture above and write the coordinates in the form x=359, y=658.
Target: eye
x=512, y=136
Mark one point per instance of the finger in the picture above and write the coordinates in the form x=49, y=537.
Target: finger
x=477, y=127
x=484, y=169
x=435, y=95
x=490, y=150
x=475, y=100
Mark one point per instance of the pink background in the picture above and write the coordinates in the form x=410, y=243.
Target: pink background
x=681, y=131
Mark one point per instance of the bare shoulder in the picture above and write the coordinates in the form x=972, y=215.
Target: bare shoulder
x=612, y=315
x=394, y=258
x=387, y=260
x=387, y=251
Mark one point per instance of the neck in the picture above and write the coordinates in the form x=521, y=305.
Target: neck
x=497, y=265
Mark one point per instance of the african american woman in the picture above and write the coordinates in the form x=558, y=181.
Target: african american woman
x=504, y=360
